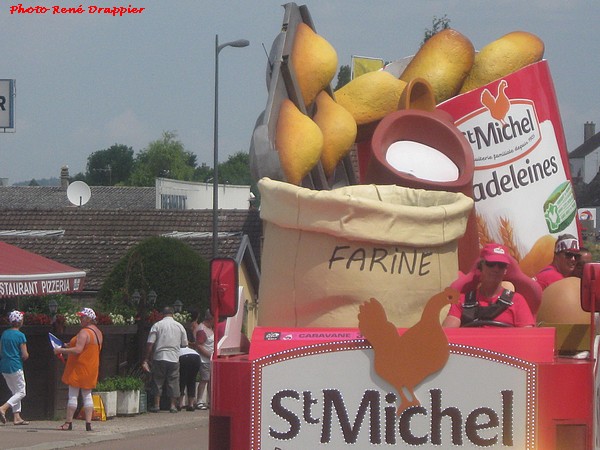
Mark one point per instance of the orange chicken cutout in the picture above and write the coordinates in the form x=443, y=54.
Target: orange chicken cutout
x=497, y=106
x=406, y=360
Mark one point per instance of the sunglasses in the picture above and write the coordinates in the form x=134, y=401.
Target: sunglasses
x=501, y=265
x=569, y=255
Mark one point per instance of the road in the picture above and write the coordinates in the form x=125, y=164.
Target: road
x=179, y=439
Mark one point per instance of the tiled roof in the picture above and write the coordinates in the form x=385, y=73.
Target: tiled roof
x=587, y=147
x=55, y=197
x=94, y=240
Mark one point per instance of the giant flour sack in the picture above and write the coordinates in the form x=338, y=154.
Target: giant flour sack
x=326, y=252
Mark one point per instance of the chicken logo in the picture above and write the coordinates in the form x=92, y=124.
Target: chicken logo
x=497, y=106
x=405, y=361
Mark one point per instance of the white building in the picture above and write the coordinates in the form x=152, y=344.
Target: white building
x=174, y=194
x=585, y=159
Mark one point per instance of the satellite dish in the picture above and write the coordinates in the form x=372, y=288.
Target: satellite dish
x=78, y=193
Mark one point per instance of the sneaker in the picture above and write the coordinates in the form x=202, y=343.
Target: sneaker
x=153, y=409
x=190, y=408
x=202, y=406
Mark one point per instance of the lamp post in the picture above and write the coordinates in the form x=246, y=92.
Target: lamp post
x=218, y=48
x=152, y=298
x=178, y=306
x=142, y=301
x=53, y=307
x=135, y=298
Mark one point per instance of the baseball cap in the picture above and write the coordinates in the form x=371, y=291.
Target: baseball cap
x=15, y=316
x=495, y=253
x=566, y=244
x=87, y=312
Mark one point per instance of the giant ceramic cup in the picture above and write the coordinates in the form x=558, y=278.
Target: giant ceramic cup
x=420, y=122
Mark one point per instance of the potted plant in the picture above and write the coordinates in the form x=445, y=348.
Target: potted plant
x=128, y=394
x=107, y=390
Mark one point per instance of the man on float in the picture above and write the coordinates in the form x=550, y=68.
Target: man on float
x=490, y=304
x=566, y=255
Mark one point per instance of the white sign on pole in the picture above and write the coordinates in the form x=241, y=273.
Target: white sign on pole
x=7, y=94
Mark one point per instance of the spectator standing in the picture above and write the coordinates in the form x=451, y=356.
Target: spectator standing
x=81, y=370
x=165, y=340
x=189, y=366
x=195, y=314
x=205, y=343
x=13, y=351
x=566, y=254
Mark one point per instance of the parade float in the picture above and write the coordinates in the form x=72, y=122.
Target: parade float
x=375, y=201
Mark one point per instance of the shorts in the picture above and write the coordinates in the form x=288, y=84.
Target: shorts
x=165, y=372
x=205, y=371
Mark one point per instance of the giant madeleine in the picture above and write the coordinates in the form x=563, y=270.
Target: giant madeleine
x=314, y=61
x=338, y=128
x=503, y=56
x=444, y=60
x=372, y=96
x=299, y=142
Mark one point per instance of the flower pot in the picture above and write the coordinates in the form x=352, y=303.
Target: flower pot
x=128, y=403
x=109, y=399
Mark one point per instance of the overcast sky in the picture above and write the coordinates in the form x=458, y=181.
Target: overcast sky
x=88, y=81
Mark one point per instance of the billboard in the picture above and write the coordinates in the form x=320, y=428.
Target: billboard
x=365, y=64
x=587, y=214
x=7, y=109
x=340, y=401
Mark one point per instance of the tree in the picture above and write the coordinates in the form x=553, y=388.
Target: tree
x=166, y=265
x=437, y=24
x=164, y=157
x=203, y=173
x=343, y=77
x=236, y=170
x=110, y=167
x=78, y=177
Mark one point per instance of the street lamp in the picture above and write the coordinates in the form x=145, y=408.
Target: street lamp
x=178, y=306
x=135, y=297
x=53, y=307
x=218, y=48
x=152, y=297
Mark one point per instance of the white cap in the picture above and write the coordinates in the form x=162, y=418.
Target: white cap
x=87, y=312
x=15, y=316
